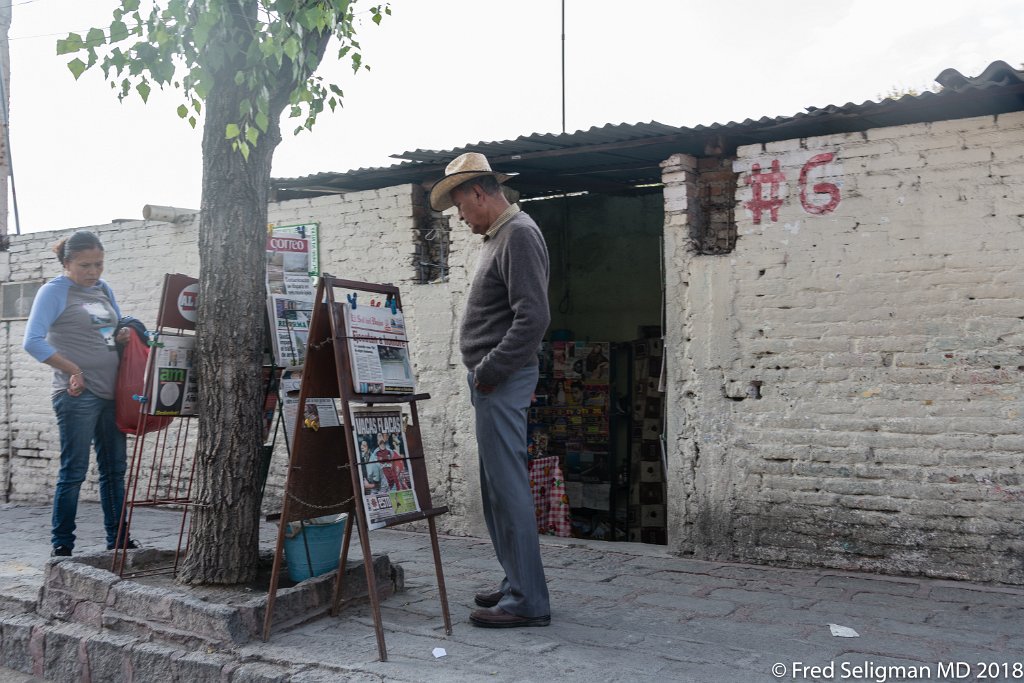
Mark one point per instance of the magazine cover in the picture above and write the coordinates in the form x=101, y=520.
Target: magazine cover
x=379, y=350
x=173, y=389
x=289, y=263
x=384, y=468
x=289, y=322
x=179, y=302
x=307, y=231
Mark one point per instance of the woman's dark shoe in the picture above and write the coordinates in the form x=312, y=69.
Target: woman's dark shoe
x=60, y=551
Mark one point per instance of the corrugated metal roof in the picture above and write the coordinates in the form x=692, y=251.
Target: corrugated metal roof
x=619, y=157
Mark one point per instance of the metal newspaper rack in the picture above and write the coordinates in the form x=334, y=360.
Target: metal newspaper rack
x=323, y=472
x=172, y=459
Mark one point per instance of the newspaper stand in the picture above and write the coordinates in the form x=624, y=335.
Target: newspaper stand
x=323, y=473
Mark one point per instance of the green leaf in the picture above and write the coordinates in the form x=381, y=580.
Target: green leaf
x=252, y=135
x=182, y=111
x=192, y=121
x=77, y=67
x=291, y=48
x=262, y=122
x=73, y=43
x=239, y=77
x=244, y=149
x=176, y=9
x=130, y=5
x=143, y=89
x=204, y=26
x=95, y=37
x=118, y=31
x=202, y=89
x=231, y=132
x=310, y=19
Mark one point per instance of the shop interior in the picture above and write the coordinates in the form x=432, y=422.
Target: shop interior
x=598, y=409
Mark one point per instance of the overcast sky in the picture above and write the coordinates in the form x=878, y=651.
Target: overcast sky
x=450, y=72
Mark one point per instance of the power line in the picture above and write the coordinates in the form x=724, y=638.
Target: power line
x=12, y=4
x=85, y=30
x=5, y=70
x=49, y=35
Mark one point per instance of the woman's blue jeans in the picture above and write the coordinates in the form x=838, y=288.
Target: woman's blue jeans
x=83, y=421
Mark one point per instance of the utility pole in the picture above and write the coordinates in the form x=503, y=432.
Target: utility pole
x=5, y=102
x=563, y=66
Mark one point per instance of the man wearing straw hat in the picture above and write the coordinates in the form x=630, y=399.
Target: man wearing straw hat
x=505, y=319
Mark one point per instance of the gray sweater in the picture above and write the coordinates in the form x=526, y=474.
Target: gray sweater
x=507, y=311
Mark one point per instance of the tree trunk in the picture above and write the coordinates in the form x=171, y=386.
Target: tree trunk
x=224, y=536
x=224, y=541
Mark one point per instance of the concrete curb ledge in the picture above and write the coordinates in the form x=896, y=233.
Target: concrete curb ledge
x=91, y=625
x=73, y=653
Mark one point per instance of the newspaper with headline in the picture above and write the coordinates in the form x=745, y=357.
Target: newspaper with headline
x=379, y=350
x=385, y=471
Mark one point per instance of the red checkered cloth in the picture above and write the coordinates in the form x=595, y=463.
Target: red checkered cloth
x=549, y=496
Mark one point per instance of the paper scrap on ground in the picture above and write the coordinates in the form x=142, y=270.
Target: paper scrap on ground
x=439, y=652
x=843, y=631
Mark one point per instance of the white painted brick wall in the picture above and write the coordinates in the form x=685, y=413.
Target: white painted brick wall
x=889, y=338
x=363, y=236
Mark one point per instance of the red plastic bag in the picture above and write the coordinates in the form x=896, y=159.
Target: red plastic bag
x=131, y=382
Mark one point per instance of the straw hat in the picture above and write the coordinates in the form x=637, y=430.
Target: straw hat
x=463, y=168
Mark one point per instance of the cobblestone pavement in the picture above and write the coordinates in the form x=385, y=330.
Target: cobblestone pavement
x=621, y=612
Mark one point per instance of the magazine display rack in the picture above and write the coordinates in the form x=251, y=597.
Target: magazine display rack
x=346, y=349
x=161, y=468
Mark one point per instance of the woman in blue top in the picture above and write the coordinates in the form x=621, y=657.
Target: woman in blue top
x=72, y=329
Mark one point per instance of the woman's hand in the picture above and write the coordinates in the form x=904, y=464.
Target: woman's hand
x=76, y=384
x=123, y=336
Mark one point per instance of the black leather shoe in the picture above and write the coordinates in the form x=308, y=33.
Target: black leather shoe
x=495, y=617
x=488, y=599
x=60, y=551
x=132, y=544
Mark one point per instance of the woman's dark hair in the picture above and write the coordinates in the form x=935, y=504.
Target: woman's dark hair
x=80, y=240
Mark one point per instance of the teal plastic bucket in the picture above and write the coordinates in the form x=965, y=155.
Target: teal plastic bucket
x=322, y=537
